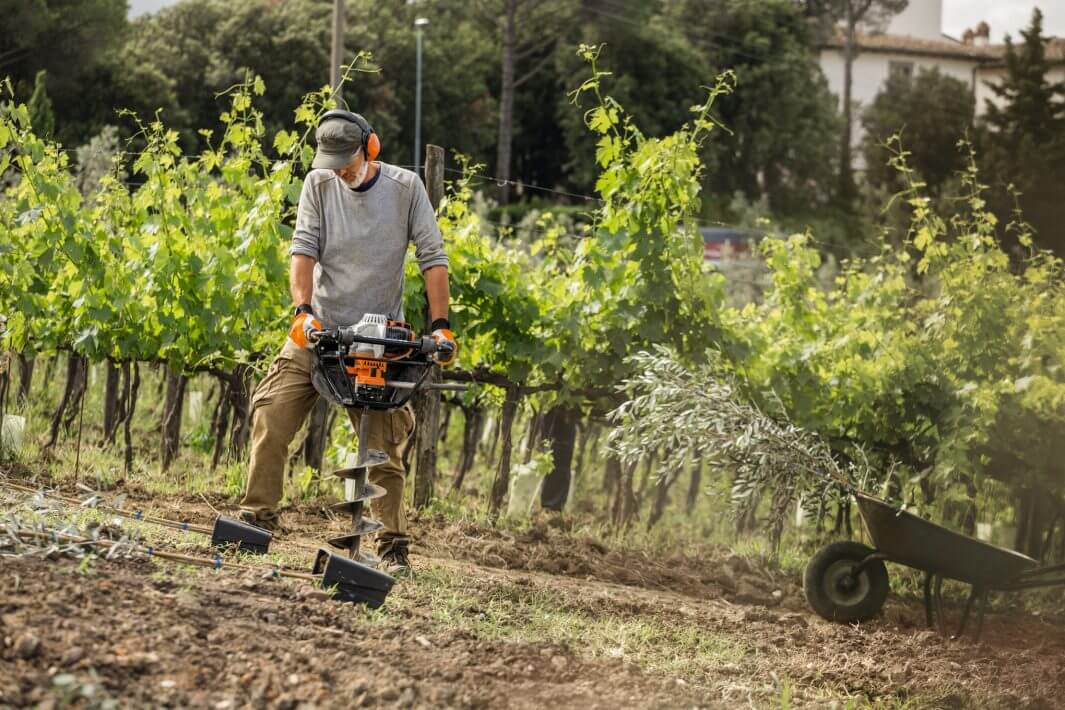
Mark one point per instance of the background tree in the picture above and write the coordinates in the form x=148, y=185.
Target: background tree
x=1023, y=141
x=519, y=42
x=181, y=58
x=40, y=107
x=852, y=15
x=459, y=68
x=781, y=120
x=933, y=112
x=74, y=41
x=95, y=160
x=653, y=70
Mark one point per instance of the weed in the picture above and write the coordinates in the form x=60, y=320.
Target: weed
x=71, y=692
x=233, y=476
x=87, y=564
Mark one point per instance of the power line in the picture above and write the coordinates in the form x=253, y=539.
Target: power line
x=490, y=178
x=517, y=183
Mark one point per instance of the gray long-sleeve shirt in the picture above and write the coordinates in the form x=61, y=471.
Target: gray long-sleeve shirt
x=359, y=240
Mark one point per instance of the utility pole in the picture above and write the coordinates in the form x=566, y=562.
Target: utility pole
x=506, y=99
x=336, y=57
x=418, y=25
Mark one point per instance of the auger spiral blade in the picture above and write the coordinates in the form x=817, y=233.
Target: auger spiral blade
x=369, y=492
x=365, y=527
x=373, y=458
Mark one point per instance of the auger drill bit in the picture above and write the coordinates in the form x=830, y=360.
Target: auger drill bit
x=363, y=491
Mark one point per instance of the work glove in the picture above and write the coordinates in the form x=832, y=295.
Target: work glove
x=302, y=326
x=447, y=348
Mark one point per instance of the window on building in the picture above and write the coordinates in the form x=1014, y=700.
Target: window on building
x=902, y=69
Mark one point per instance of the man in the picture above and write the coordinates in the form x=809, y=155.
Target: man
x=355, y=219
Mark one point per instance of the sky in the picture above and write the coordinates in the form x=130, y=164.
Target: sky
x=139, y=7
x=1003, y=15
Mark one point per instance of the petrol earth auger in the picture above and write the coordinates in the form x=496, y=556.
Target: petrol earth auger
x=374, y=365
x=377, y=364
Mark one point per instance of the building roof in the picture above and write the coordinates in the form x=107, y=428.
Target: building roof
x=992, y=54
x=1055, y=52
x=905, y=44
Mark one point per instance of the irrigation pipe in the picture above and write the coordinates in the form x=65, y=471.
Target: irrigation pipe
x=149, y=551
x=137, y=515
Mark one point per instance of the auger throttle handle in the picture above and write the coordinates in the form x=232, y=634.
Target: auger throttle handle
x=348, y=336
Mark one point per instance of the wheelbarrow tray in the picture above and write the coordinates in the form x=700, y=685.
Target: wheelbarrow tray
x=907, y=539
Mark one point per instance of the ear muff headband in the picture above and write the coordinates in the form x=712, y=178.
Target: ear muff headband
x=371, y=144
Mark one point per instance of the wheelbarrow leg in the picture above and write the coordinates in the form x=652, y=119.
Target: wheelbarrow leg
x=973, y=592
x=980, y=615
x=940, y=620
x=928, y=600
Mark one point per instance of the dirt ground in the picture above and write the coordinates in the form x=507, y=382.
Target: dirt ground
x=493, y=619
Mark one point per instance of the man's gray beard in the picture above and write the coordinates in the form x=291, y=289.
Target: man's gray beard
x=360, y=177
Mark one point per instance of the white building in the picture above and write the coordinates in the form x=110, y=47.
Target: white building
x=914, y=40
x=921, y=18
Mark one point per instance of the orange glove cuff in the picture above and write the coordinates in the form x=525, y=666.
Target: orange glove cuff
x=300, y=325
x=445, y=335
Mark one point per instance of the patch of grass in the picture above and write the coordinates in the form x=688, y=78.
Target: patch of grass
x=654, y=642
x=532, y=614
x=791, y=558
x=470, y=511
x=927, y=701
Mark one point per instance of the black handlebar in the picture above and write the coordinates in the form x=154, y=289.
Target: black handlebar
x=347, y=336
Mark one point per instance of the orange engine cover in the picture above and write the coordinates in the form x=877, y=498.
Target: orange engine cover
x=368, y=371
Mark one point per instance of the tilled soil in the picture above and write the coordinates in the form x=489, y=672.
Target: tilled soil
x=145, y=634
x=223, y=641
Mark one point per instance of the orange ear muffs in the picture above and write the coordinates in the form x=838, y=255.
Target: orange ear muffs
x=373, y=147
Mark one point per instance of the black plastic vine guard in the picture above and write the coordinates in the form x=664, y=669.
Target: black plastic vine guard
x=354, y=582
x=229, y=532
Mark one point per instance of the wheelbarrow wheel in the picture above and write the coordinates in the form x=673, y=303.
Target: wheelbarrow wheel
x=835, y=592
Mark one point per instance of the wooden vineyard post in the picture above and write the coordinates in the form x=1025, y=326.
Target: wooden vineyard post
x=434, y=174
x=427, y=405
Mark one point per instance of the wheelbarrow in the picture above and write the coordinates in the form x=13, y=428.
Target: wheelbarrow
x=848, y=582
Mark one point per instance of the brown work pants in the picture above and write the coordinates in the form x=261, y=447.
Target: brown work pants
x=280, y=405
